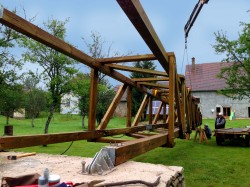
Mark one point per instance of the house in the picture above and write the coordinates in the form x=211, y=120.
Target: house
x=204, y=83
x=69, y=104
x=121, y=109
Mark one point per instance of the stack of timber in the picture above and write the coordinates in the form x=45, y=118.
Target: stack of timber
x=69, y=168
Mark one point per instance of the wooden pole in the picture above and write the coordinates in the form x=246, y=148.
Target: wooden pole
x=93, y=99
x=106, y=118
x=140, y=111
x=171, y=113
x=150, y=110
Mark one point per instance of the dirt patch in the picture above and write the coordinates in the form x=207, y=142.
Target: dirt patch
x=69, y=169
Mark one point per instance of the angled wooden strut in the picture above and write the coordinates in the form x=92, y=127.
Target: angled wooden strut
x=112, y=107
x=140, y=110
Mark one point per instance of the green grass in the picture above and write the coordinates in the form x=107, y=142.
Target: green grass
x=204, y=164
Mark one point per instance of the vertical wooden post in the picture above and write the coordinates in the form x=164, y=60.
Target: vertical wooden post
x=93, y=99
x=171, y=118
x=150, y=110
x=129, y=105
x=183, y=106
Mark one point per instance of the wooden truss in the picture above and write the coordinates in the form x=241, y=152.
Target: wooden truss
x=170, y=89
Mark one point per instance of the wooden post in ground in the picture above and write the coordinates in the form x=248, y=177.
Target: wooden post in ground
x=183, y=107
x=93, y=99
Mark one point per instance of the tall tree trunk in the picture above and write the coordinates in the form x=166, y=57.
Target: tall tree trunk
x=83, y=117
x=32, y=120
x=51, y=113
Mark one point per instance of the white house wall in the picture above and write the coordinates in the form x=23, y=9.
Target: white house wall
x=210, y=100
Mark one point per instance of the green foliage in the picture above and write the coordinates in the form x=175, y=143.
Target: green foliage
x=237, y=73
x=35, y=100
x=11, y=99
x=58, y=69
x=137, y=96
x=11, y=94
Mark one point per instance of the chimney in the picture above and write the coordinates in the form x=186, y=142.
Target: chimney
x=193, y=63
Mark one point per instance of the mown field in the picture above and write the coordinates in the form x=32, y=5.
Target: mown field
x=204, y=164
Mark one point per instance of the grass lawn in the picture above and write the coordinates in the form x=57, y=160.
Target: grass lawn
x=204, y=164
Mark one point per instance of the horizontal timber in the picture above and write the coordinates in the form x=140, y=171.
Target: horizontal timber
x=150, y=79
x=134, y=58
x=137, y=147
x=12, y=142
x=138, y=70
x=154, y=85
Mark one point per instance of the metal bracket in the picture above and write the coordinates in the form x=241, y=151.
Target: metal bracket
x=149, y=127
x=1, y=11
x=101, y=163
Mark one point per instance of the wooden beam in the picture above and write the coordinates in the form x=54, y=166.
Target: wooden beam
x=139, y=19
x=129, y=106
x=150, y=79
x=157, y=115
x=138, y=70
x=183, y=106
x=110, y=140
x=109, y=113
x=154, y=85
x=20, y=25
x=140, y=111
x=171, y=113
x=13, y=142
x=134, y=58
x=137, y=147
x=93, y=99
x=163, y=91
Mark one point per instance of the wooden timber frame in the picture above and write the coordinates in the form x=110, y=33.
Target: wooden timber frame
x=167, y=87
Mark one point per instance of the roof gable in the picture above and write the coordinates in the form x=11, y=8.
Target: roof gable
x=203, y=77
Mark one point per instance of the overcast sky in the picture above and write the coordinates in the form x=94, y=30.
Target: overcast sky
x=167, y=16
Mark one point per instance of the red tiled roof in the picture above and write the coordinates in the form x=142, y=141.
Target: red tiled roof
x=204, y=76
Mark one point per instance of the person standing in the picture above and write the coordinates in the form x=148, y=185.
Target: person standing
x=220, y=121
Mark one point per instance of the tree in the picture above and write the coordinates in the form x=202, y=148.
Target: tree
x=11, y=95
x=35, y=100
x=80, y=87
x=105, y=92
x=137, y=96
x=57, y=68
x=105, y=97
x=11, y=99
x=237, y=73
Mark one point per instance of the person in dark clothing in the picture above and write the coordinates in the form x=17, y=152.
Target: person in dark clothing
x=208, y=131
x=220, y=121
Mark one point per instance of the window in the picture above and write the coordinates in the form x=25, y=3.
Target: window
x=217, y=110
x=226, y=111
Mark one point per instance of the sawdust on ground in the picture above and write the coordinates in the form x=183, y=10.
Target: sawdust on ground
x=69, y=168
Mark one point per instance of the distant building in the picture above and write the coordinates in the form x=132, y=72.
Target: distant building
x=69, y=104
x=121, y=109
x=204, y=83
